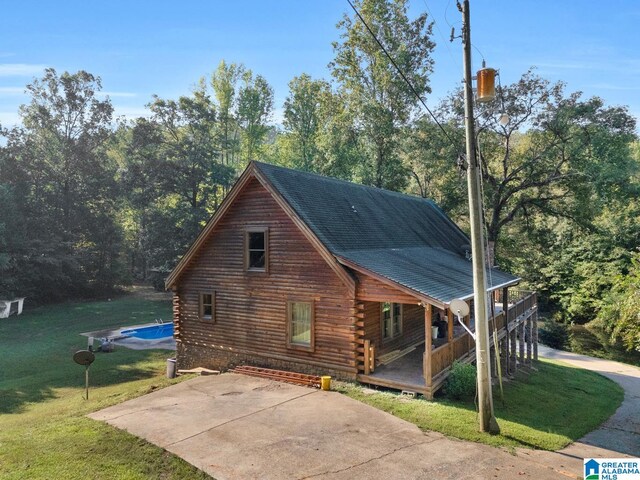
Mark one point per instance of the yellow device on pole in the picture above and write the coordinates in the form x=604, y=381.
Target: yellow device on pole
x=486, y=81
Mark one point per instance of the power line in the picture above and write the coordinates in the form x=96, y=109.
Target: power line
x=444, y=40
x=415, y=92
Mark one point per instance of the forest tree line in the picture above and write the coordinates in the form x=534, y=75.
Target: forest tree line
x=90, y=202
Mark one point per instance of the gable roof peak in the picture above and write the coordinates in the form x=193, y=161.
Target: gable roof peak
x=349, y=216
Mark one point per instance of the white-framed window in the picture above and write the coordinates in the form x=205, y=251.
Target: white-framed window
x=300, y=323
x=256, y=245
x=207, y=306
x=391, y=320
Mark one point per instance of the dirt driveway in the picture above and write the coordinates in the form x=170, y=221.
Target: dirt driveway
x=238, y=427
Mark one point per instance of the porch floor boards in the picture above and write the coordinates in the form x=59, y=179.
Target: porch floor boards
x=404, y=373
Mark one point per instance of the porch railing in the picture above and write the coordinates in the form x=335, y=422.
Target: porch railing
x=440, y=359
x=443, y=357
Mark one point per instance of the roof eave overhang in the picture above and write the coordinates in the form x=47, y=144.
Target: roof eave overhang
x=510, y=283
x=387, y=281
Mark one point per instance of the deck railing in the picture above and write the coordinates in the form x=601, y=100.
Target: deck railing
x=498, y=321
x=443, y=357
x=461, y=345
x=440, y=359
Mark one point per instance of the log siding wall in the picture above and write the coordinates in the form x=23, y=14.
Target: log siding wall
x=251, y=306
x=371, y=289
x=412, y=327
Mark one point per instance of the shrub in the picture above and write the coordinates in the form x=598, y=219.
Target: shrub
x=620, y=314
x=157, y=277
x=554, y=334
x=461, y=383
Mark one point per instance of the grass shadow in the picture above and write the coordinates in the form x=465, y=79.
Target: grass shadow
x=546, y=408
x=15, y=395
x=38, y=346
x=559, y=399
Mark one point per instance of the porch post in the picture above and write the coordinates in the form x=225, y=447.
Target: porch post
x=367, y=357
x=528, y=332
x=492, y=359
x=467, y=321
x=504, y=355
x=507, y=338
x=493, y=306
x=426, y=358
x=505, y=301
x=521, y=342
x=513, y=348
x=450, y=333
x=534, y=334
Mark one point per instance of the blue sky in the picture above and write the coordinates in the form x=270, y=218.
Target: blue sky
x=140, y=48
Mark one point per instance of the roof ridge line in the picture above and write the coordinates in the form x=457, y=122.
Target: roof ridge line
x=347, y=182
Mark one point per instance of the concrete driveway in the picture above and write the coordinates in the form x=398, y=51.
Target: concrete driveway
x=238, y=427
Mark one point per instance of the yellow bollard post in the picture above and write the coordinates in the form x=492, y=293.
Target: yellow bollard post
x=325, y=383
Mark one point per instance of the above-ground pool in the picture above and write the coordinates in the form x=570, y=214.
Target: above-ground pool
x=152, y=332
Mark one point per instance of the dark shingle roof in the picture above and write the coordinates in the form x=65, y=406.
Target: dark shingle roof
x=406, y=239
x=435, y=272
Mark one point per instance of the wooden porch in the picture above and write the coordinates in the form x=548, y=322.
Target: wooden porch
x=423, y=366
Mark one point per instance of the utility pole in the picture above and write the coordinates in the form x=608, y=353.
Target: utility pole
x=488, y=422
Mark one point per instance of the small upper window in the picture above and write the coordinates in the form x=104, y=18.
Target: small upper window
x=256, y=242
x=207, y=306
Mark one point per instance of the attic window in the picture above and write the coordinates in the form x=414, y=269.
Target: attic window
x=257, y=249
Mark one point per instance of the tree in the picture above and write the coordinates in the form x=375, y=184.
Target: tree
x=224, y=82
x=176, y=175
x=66, y=127
x=557, y=156
x=302, y=116
x=431, y=160
x=138, y=151
x=255, y=105
x=378, y=98
x=319, y=133
x=339, y=151
x=12, y=241
x=64, y=190
x=189, y=149
x=620, y=314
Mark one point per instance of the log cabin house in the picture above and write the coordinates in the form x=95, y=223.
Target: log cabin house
x=301, y=272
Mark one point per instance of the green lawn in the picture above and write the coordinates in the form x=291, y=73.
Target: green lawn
x=43, y=429
x=44, y=432
x=547, y=409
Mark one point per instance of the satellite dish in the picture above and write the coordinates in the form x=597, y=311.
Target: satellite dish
x=84, y=357
x=459, y=307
